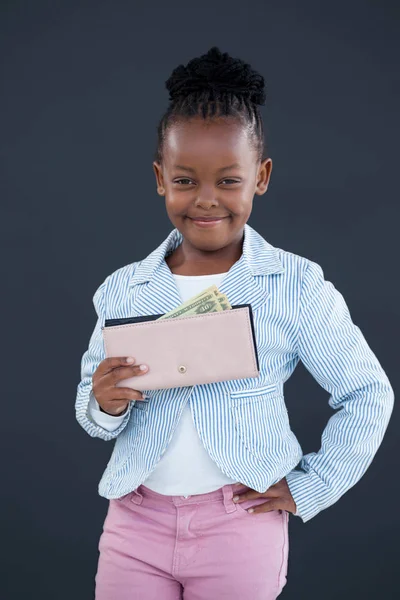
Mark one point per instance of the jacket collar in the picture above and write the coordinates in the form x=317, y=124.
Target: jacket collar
x=260, y=257
x=161, y=294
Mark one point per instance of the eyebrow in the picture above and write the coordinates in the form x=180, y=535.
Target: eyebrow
x=191, y=170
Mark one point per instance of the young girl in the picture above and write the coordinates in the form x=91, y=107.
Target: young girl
x=202, y=479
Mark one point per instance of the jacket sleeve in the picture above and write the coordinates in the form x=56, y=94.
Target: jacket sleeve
x=89, y=363
x=335, y=352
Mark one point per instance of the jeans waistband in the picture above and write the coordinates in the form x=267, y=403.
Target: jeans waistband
x=224, y=493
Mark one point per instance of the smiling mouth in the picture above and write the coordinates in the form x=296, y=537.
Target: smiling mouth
x=207, y=222
x=207, y=219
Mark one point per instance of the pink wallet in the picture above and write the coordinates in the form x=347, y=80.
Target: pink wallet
x=185, y=351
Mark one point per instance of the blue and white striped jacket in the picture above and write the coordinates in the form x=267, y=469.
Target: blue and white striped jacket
x=244, y=423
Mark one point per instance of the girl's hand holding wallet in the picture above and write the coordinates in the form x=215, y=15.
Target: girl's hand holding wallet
x=185, y=351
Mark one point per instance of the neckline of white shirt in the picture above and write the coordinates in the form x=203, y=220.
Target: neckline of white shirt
x=198, y=276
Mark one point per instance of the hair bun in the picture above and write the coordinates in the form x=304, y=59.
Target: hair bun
x=218, y=73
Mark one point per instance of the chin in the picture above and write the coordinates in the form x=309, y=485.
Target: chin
x=205, y=246
x=209, y=242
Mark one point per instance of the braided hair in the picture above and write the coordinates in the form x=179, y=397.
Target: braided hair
x=215, y=85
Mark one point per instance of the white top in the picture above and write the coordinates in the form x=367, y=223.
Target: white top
x=185, y=468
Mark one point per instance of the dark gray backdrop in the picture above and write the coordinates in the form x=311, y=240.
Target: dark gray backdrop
x=82, y=90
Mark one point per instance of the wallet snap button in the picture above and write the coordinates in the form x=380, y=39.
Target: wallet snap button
x=182, y=369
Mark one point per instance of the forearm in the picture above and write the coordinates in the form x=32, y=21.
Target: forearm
x=334, y=350
x=349, y=443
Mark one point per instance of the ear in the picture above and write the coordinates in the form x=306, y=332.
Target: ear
x=159, y=178
x=263, y=176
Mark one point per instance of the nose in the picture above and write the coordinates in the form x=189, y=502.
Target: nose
x=206, y=200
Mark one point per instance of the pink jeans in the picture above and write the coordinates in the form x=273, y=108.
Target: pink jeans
x=204, y=547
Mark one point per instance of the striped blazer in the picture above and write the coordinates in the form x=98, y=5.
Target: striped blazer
x=244, y=423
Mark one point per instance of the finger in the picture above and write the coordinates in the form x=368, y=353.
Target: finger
x=120, y=373
x=125, y=394
x=266, y=507
x=250, y=495
x=110, y=363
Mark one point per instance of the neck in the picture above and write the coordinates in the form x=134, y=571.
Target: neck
x=188, y=260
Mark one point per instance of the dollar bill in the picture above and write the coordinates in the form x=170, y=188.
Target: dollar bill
x=208, y=301
x=224, y=302
x=205, y=302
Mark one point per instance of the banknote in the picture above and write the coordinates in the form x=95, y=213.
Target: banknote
x=224, y=302
x=208, y=301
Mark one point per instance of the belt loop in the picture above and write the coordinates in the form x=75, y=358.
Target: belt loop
x=229, y=504
x=136, y=497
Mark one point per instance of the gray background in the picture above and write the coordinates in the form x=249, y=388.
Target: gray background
x=82, y=90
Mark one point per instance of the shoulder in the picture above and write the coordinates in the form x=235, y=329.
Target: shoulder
x=307, y=279
x=268, y=259
x=117, y=280
x=122, y=275
x=298, y=266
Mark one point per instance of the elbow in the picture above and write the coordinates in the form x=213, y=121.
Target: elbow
x=384, y=408
x=389, y=402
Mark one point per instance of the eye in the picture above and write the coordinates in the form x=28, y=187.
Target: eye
x=182, y=179
x=232, y=180
x=185, y=179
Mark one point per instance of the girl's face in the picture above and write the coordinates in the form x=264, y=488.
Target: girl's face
x=210, y=171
